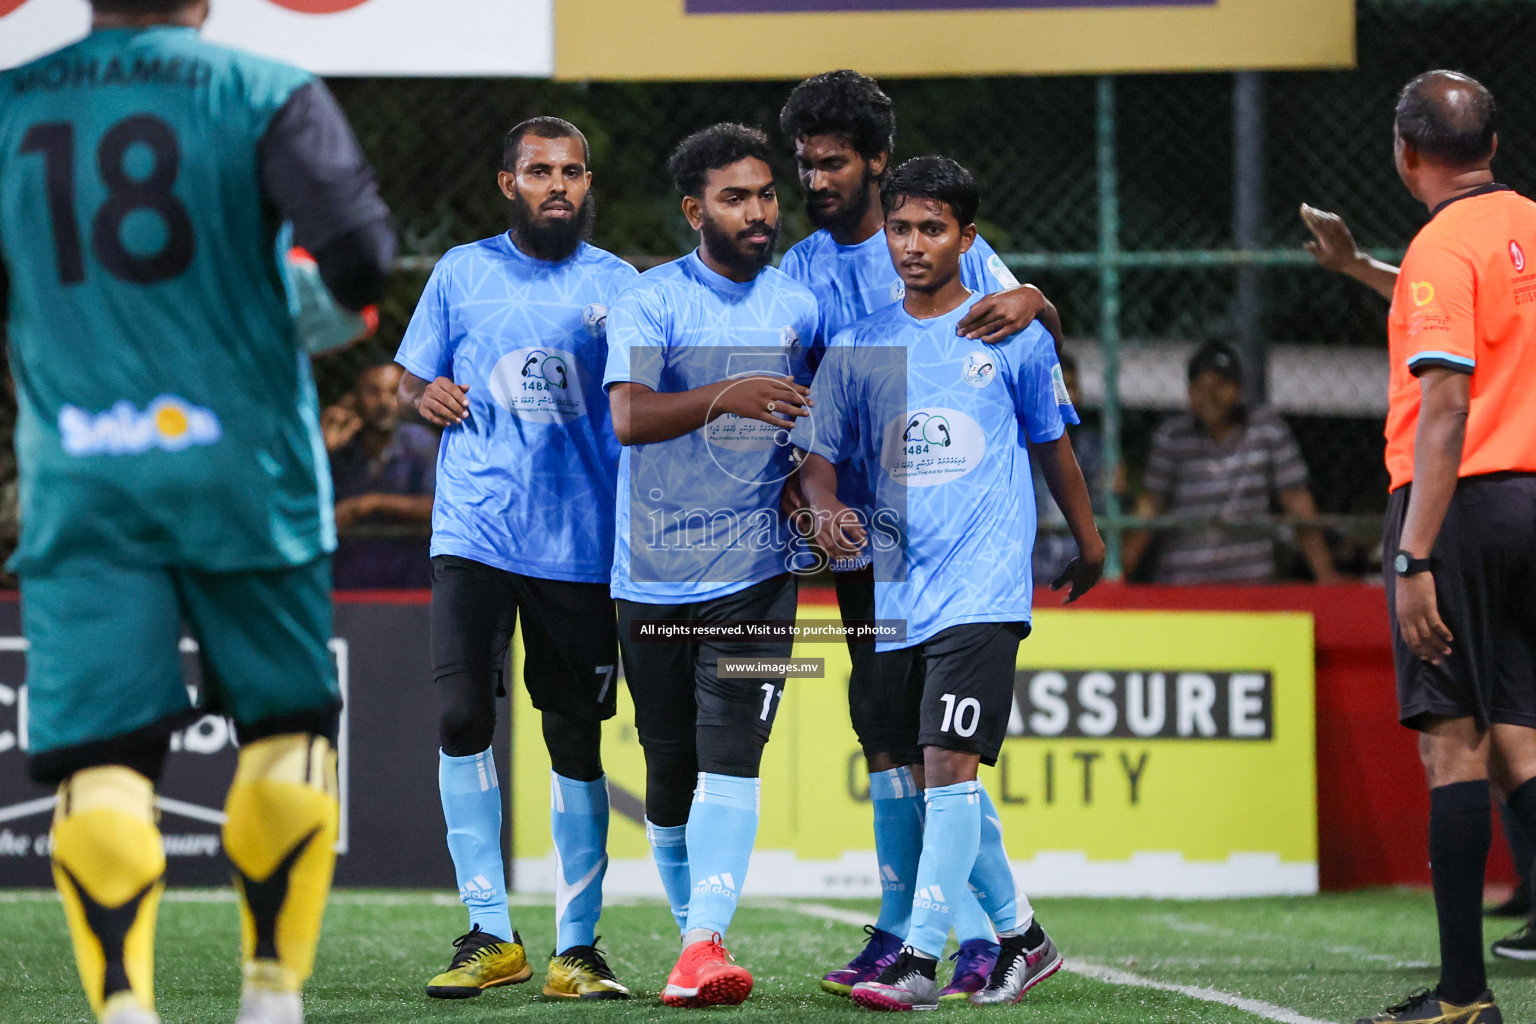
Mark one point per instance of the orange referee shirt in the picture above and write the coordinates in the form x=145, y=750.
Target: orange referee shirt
x=1465, y=300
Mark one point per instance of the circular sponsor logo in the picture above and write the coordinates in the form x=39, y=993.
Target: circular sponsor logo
x=595, y=319
x=539, y=385
x=1517, y=256
x=1000, y=272
x=898, y=290
x=978, y=369
x=1423, y=293
x=929, y=447
x=319, y=6
x=749, y=450
x=7, y=6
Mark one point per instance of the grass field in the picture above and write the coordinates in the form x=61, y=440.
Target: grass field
x=1325, y=958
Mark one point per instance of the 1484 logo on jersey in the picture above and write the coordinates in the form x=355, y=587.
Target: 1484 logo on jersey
x=539, y=384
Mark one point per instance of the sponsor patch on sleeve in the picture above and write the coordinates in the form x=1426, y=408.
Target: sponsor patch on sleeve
x=1059, y=385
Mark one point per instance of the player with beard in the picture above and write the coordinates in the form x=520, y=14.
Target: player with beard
x=506, y=351
x=707, y=372
x=843, y=129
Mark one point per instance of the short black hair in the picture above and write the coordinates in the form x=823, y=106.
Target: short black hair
x=1219, y=358
x=541, y=128
x=139, y=6
x=1448, y=117
x=712, y=148
x=932, y=177
x=842, y=103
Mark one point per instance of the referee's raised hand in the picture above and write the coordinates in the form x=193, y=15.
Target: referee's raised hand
x=1418, y=618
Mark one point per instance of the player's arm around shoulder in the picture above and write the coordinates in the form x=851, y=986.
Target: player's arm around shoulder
x=1006, y=307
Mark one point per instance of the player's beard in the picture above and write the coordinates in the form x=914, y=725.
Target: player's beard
x=724, y=247
x=851, y=213
x=553, y=238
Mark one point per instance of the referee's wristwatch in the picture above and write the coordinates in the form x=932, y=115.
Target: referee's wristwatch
x=1405, y=564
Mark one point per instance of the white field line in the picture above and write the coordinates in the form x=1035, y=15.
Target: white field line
x=1098, y=972
x=406, y=898
x=1175, y=923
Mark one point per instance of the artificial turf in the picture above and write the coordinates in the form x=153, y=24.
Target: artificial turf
x=1329, y=958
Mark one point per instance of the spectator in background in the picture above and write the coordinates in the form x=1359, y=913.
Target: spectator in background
x=385, y=472
x=1054, y=546
x=1223, y=460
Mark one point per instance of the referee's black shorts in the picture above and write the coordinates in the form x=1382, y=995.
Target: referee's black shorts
x=570, y=638
x=1485, y=584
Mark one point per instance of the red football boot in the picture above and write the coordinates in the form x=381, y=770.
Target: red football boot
x=706, y=975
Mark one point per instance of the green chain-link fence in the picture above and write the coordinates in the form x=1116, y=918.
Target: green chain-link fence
x=1048, y=153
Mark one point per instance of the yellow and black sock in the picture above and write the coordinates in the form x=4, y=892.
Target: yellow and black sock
x=283, y=818
x=109, y=866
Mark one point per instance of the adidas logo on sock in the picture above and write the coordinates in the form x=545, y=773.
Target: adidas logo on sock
x=722, y=884
x=890, y=881
x=931, y=898
x=478, y=887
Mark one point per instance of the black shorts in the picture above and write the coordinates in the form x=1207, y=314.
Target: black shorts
x=875, y=680
x=958, y=690
x=681, y=701
x=570, y=636
x=1485, y=585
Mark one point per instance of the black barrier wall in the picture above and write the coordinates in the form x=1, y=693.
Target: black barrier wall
x=392, y=821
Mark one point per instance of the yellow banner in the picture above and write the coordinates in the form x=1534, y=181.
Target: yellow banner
x=710, y=39
x=1150, y=753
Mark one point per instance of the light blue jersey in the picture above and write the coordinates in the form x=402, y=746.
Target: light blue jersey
x=698, y=516
x=852, y=281
x=945, y=421
x=526, y=484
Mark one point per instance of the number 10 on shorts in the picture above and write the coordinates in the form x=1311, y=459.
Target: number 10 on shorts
x=962, y=718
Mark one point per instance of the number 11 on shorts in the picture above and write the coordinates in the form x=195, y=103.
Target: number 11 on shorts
x=770, y=691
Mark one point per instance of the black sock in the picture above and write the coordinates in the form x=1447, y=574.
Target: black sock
x=1034, y=935
x=1521, y=805
x=926, y=965
x=1460, y=832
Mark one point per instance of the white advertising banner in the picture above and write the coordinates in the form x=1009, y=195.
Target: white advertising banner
x=335, y=37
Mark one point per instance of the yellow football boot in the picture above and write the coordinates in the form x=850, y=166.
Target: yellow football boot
x=582, y=973
x=481, y=962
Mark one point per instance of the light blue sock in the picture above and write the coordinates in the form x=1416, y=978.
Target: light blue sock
x=898, y=805
x=578, y=819
x=669, y=848
x=970, y=919
x=472, y=810
x=951, y=835
x=992, y=876
x=722, y=826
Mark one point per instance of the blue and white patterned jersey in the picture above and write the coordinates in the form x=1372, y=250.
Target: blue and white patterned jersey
x=945, y=422
x=698, y=515
x=526, y=483
x=852, y=281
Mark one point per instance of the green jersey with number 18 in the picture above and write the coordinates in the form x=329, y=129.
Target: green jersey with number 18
x=166, y=413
